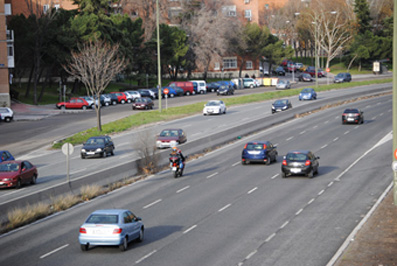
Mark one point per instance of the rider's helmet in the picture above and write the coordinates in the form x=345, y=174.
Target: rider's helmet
x=174, y=149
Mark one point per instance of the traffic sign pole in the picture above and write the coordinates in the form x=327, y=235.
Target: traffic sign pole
x=328, y=70
x=166, y=91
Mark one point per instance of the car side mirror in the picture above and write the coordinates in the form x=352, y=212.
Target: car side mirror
x=137, y=219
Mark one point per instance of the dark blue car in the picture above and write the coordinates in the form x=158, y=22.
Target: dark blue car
x=260, y=152
x=6, y=156
x=307, y=94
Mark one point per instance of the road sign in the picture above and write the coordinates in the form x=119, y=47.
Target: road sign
x=67, y=149
x=328, y=70
x=166, y=91
x=395, y=154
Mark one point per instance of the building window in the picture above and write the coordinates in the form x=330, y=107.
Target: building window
x=10, y=50
x=229, y=63
x=266, y=6
x=217, y=66
x=174, y=12
x=248, y=14
x=248, y=65
x=229, y=11
x=45, y=8
x=246, y=1
x=7, y=9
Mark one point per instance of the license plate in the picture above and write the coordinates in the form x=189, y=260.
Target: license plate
x=99, y=232
x=278, y=110
x=174, y=168
x=254, y=152
x=350, y=119
x=90, y=152
x=295, y=170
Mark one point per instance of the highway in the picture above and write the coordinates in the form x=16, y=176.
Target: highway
x=223, y=213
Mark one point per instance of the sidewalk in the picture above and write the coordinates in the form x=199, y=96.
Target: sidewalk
x=33, y=112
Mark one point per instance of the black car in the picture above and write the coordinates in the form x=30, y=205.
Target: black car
x=113, y=98
x=99, y=146
x=259, y=151
x=225, y=90
x=305, y=77
x=353, y=115
x=213, y=86
x=147, y=93
x=279, y=71
x=281, y=105
x=300, y=162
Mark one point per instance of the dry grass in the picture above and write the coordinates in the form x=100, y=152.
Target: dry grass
x=21, y=216
x=88, y=192
x=64, y=202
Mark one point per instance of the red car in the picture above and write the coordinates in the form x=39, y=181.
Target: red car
x=121, y=97
x=142, y=103
x=17, y=173
x=169, y=138
x=312, y=72
x=74, y=103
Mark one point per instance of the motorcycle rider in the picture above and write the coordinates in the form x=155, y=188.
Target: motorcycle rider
x=178, y=152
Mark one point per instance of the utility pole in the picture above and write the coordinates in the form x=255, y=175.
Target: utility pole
x=395, y=101
x=158, y=53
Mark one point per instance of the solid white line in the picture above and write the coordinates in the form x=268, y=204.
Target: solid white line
x=224, y=208
x=182, y=189
x=335, y=139
x=298, y=212
x=347, y=132
x=190, y=229
x=270, y=237
x=273, y=177
x=324, y=146
x=55, y=250
x=284, y=225
x=289, y=138
x=252, y=190
x=321, y=192
x=330, y=184
x=251, y=254
x=145, y=257
x=214, y=174
x=78, y=171
x=12, y=192
x=236, y=163
x=125, y=156
x=310, y=201
x=153, y=203
x=315, y=126
x=303, y=132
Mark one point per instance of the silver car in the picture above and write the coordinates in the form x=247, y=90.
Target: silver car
x=115, y=227
x=283, y=85
x=6, y=114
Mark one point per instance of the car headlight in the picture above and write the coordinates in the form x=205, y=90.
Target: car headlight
x=82, y=150
x=284, y=107
x=99, y=149
x=7, y=179
x=273, y=107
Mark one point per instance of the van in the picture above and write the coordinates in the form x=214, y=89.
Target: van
x=187, y=86
x=343, y=77
x=249, y=83
x=200, y=86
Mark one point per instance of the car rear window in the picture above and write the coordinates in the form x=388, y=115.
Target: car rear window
x=255, y=147
x=351, y=111
x=296, y=157
x=102, y=219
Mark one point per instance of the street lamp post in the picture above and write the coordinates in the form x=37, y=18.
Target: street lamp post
x=158, y=53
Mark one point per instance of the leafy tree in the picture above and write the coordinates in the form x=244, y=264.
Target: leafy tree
x=275, y=51
x=361, y=9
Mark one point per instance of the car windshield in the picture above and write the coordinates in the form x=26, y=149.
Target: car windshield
x=9, y=167
x=169, y=133
x=95, y=141
x=279, y=102
x=252, y=146
x=281, y=82
x=102, y=219
x=139, y=100
x=212, y=103
x=351, y=111
x=296, y=157
x=340, y=75
x=306, y=91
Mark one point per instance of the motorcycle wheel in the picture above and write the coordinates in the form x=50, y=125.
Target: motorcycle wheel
x=176, y=174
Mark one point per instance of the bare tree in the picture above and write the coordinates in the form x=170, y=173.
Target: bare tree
x=147, y=151
x=95, y=64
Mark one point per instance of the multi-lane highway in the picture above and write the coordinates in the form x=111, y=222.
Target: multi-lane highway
x=221, y=212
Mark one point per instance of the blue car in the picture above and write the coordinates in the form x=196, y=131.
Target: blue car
x=260, y=152
x=307, y=94
x=112, y=227
x=227, y=83
x=171, y=92
x=6, y=156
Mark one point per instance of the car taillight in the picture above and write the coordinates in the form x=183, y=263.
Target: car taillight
x=82, y=230
x=117, y=231
x=284, y=162
x=245, y=146
x=307, y=163
x=264, y=146
x=174, y=164
x=344, y=114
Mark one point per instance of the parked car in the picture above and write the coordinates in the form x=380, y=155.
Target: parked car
x=343, y=77
x=300, y=162
x=133, y=94
x=283, y=84
x=105, y=100
x=200, y=86
x=99, y=146
x=259, y=151
x=307, y=94
x=187, y=86
x=113, y=98
x=279, y=71
x=147, y=93
x=121, y=97
x=213, y=86
x=89, y=100
x=73, y=103
x=353, y=115
x=113, y=227
x=299, y=66
x=171, y=92
x=170, y=137
x=225, y=90
x=249, y=83
x=155, y=93
x=17, y=173
x=214, y=107
x=6, y=114
x=143, y=103
x=305, y=77
x=312, y=72
x=6, y=156
x=130, y=97
x=281, y=105
x=291, y=67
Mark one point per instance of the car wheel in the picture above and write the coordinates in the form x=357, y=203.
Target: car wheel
x=123, y=246
x=251, y=86
x=133, y=108
x=146, y=107
x=82, y=156
x=187, y=93
x=224, y=112
x=19, y=184
x=63, y=107
x=268, y=161
x=129, y=101
x=141, y=235
x=172, y=95
x=33, y=181
x=107, y=104
x=7, y=119
x=310, y=174
x=104, y=154
x=84, y=247
x=84, y=107
x=283, y=175
x=114, y=102
x=122, y=101
x=316, y=172
x=362, y=121
x=112, y=152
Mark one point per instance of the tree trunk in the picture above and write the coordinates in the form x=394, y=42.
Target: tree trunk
x=351, y=62
x=98, y=113
x=27, y=93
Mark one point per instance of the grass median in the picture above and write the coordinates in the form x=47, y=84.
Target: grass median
x=143, y=118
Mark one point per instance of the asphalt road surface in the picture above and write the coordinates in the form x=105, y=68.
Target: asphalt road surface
x=224, y=213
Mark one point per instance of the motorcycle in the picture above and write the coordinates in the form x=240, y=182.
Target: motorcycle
x=175, y=162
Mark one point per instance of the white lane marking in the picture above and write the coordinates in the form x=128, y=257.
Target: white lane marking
x=182, y=189
x=52, y=252
x=335, y=139
x=321, y=192
x=326, y=122
x=355, y=127
x=273, y=177
x=311, y=201
x=298, y=212
x=389, y=110
x=190, y=229
x=381, y=114
x=214, y=174
x=289, y=138
x=145, y=257
x=224, y=208
x=373, y=118
x=284, y=225
x=197, y=133
x=368, y=106
x=347, y=132
x=153, y=203
x=316, y=126
x=324, y=146
x=330, y=184
x=251, y=254
x=252, y=190
x=77, y=171
x=302, y=132
x=236, y=163
x=12, y=192
x=270, y=237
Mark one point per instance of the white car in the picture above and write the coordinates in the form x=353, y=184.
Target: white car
x=283, y=85
x=89, y=100
x=6, y=114
x=214, y=107
x=132, y=95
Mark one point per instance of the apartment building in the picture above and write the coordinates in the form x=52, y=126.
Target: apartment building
x=6, y=55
